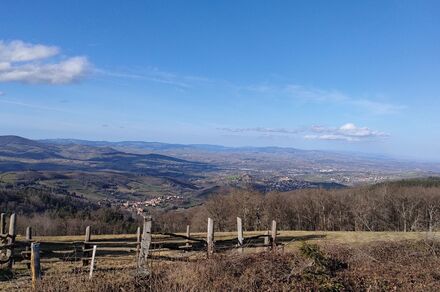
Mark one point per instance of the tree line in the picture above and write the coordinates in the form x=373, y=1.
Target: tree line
x=409, y=205
x=412, y=205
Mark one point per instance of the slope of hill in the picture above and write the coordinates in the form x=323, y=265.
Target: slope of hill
x=143, y=170
x=261, y=157
x=24, y=154
x=97, y=172
x=14, y=146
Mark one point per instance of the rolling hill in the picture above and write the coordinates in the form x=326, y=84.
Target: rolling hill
x=139, y=170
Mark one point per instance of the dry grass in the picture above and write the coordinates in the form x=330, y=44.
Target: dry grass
x=353, y=237
x=394, y=266
x=376, y=260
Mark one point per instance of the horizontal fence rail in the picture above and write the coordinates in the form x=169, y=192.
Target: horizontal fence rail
x=140, y=247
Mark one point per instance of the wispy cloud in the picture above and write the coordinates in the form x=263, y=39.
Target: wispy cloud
x=314, y=94
x=289, y=91
x=153, y=75
x=317, y=95
x=33, y=106
x=260, y=130
x=347, y=132
x=156, y=75
x=33, y=63
x=378, y=107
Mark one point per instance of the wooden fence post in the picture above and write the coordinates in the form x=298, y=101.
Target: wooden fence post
x=240, y=234
x=210, y=237
x=266, y=241
x=86, y=247
x=35, y=263
x=29, y=241
x=145, y=245
x=88, y=235
x=138, y=241
x=2, y=224
x=11, y=239
x=274, y=235
x=28, y=233
x=92, y=262
x=188, y=234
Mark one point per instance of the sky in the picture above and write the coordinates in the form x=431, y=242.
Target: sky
x=333, y=75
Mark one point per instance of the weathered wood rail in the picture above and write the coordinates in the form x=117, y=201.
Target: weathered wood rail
x=143, y=246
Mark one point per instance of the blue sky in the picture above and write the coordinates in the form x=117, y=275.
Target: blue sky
x=337, y=75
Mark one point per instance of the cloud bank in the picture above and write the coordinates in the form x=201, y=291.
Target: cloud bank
x=34, y=63
x=347, y=132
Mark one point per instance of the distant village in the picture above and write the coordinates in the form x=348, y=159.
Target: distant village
x=139, y=206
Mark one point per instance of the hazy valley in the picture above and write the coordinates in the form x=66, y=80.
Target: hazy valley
x=172, y=175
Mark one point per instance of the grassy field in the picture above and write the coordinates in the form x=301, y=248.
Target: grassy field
x=290, y=239
x=337, y=237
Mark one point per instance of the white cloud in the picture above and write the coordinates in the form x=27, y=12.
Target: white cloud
x=65, y=71
x=346, y=132
x=18, y=51
x=330, y=137
x=32, y=63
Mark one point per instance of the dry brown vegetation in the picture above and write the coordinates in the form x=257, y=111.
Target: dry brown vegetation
x=398, y=206
x=379, y=266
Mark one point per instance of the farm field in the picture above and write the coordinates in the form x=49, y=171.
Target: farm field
x=123, y=265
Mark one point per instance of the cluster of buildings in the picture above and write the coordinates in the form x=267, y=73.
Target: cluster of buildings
x=138, y=206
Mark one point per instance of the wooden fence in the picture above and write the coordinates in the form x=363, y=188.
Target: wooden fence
x=141, y=247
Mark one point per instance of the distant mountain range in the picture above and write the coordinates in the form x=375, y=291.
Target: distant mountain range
x=17, y=153
x=189, y=162
x=136, y=170
x=228, y=155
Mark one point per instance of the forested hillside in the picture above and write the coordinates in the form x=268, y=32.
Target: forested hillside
x=52, y=213
x=412, y=205
x=408, y=205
